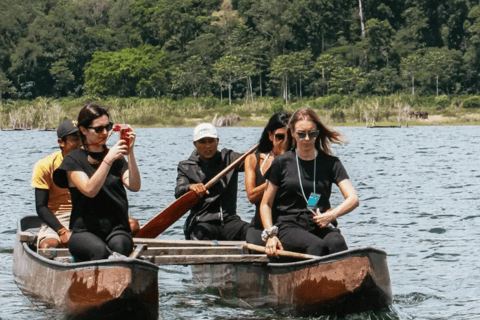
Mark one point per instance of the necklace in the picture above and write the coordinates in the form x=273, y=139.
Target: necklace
x=314, y=175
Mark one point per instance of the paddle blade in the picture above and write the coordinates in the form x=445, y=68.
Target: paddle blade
x=168, y=216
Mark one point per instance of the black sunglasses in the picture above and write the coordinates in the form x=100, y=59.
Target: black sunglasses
x=279, y=136
x=100, y=129
x=311, y=134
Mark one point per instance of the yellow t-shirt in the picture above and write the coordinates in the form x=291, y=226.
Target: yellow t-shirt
x=59, y=200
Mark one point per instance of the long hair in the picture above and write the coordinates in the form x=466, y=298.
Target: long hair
x=89, y=112
x=326, y=136
x=277, y=121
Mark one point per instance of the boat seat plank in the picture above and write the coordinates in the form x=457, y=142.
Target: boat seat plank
x=162, y=251
x=52, y=253
x=27, y=236
x=206, y=259
x=185, y=243
x=65, y=259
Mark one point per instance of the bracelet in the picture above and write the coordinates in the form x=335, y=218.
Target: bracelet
x=270, y=232
x=109, y=164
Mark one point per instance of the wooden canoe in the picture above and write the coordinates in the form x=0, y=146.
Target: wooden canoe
x=348, y=282
x=90, y=289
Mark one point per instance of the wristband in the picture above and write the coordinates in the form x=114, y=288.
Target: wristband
x=270, y=232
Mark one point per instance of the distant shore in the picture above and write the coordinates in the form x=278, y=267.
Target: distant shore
x=391, y=111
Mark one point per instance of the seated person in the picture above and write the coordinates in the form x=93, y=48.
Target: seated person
x=214, y=216
x=53, y=204
x=303, y=176
x=271, y=144
x=97, y=177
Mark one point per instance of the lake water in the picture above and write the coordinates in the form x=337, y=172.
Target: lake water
x=419, y=193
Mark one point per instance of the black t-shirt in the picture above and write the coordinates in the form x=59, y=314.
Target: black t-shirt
x=108, y=210
x=290, y=202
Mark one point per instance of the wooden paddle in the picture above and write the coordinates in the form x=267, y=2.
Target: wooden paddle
x=282, y=253
x=182, y=205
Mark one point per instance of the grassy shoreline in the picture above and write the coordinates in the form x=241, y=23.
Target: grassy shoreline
x=395, y=110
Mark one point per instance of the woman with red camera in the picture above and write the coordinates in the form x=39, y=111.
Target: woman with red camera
x=96, y=177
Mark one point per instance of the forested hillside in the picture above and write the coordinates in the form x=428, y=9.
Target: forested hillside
x=235, y=49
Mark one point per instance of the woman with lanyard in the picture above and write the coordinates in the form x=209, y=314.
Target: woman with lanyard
x=97, y=177
x=272, y=143
x=299, y=185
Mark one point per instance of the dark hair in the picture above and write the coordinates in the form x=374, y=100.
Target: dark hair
x=327, y=136
x=90, y=112
x=278, y=120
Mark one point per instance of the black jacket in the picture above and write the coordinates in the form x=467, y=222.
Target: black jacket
x=221, y=203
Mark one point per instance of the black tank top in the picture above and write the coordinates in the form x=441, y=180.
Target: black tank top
x=259, y=179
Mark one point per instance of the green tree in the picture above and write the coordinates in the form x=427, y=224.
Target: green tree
x=294, y=66
x=133, y=71
x=191, y=77
x=442, y=65
x=379, y=35
x=412, y=67
x=172, y=23
x=62, y=76
x=346, y=80
x=69, y=32
x=227, y=68
x=382, y=82
x=273, y=20
x=5, y=85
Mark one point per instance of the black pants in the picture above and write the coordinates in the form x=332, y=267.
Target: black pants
x=231, y=229
x=320, y=242
x=86, y=246
x=254, y=236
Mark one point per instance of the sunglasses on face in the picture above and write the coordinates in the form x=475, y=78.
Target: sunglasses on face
x=303, y=134
x=279, y=136
x=100, y=129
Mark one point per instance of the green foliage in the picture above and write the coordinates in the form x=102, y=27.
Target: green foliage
x=472, y=102
x=5, y=85
x=62, y=76
x=286, y=49
x=330, y=102
x=337, y=116
x=133, y=71
x=442, y=101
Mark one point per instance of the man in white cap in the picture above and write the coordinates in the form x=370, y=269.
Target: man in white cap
x=53, y=204
x=214, y=216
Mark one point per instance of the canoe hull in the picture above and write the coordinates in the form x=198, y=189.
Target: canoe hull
x=86, y=287
x=348, y=282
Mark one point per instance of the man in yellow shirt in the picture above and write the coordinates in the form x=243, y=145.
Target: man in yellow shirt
x=53, y=204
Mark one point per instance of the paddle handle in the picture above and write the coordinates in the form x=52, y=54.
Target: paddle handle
x=235, y=163
x=282, y=253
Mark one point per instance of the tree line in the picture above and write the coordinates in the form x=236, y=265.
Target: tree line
x=238, y=49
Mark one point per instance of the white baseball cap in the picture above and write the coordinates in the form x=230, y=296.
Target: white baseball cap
x=204, y=130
